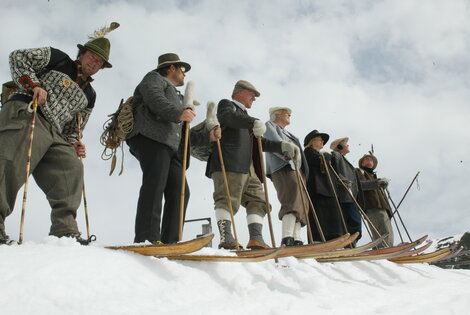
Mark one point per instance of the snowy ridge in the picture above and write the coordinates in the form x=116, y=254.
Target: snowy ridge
x=58, y=276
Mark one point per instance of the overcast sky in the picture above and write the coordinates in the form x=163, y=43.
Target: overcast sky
x=394, y=74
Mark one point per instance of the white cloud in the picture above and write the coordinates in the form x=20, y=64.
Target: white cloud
x=390, y=73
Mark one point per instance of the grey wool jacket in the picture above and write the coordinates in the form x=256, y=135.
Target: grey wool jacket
x=276, y=161
x=157, y=107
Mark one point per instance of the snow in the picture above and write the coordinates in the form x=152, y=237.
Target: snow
x=59, y=276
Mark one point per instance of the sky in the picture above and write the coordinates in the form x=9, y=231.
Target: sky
x=392, y=74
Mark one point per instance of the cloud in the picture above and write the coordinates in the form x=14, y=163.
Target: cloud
x=392, y=74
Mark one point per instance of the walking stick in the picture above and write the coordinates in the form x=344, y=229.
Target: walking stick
x=183, y=179
x=28, y=166
x=85, y=203
x=265, y=184
x=396, y=211
x=227, y=191
x=303, y=188
x=407, y=190
x=334, y=192
x=393, y=217
x=364, y=215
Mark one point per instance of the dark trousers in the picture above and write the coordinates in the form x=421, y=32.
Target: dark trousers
x=328, y=216
x=352, y=218
x=161, y=177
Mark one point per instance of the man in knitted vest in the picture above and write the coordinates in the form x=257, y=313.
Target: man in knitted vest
x=62, y=88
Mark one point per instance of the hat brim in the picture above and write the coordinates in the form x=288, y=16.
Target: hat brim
x=186, y=65
x=335, y=143
x=373, y=159
x=272, y=110
x=324, y=136
x=106, y=64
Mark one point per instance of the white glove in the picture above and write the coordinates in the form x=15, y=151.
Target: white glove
x=383, y=182
x=291, y=150
x=188, y=100
x=259, y=128
x=211, y=116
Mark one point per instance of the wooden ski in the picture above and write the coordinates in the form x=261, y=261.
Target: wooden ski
x=222, y=258
x=423, y=258
x=342, y=252
x=286, y=251
x=415, y=251
x=367, y=257
x=393, y=249
x=168, y=249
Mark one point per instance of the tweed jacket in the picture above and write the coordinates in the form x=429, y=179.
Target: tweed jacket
x=157, y=107
x=276, y=161
x=373, y=196
x=239, y=149
x=318, y=182
x=54, y=71
x=347, y=172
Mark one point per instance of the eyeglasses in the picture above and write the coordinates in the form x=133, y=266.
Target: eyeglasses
x=182, y=68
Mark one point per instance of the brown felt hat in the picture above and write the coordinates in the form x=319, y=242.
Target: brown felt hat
x=371, y=156
x=245, y=85
x=169, y=59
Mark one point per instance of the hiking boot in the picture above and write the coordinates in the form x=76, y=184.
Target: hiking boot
x=6, y=241
x=226, y=238
x=288, y=241
x=255, y=244
x=230, y=246
x=298, y=243
x=157, y=243
x=79, y=239
x=256, y=236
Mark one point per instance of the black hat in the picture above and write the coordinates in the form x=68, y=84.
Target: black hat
x=316, y=133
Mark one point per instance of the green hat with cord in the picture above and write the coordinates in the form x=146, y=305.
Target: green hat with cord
x=100, y=46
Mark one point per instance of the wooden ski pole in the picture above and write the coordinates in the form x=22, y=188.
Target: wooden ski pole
x=266, y=197
x=394, y=219
x=303, y=189
x=227, y=192
x=396, y=211
x=85, y=203
x=28, y=166
x=406, y=193
x=183, y=179
x=364, y=215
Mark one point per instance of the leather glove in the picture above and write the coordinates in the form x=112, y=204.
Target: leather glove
x=188, y=99
x=259, y=128
x=211, y=116
x=291, y=150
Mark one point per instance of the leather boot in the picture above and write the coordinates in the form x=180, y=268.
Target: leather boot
x=226, y=238
x=256, y=236
x=6, y=240
x=287, y=241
